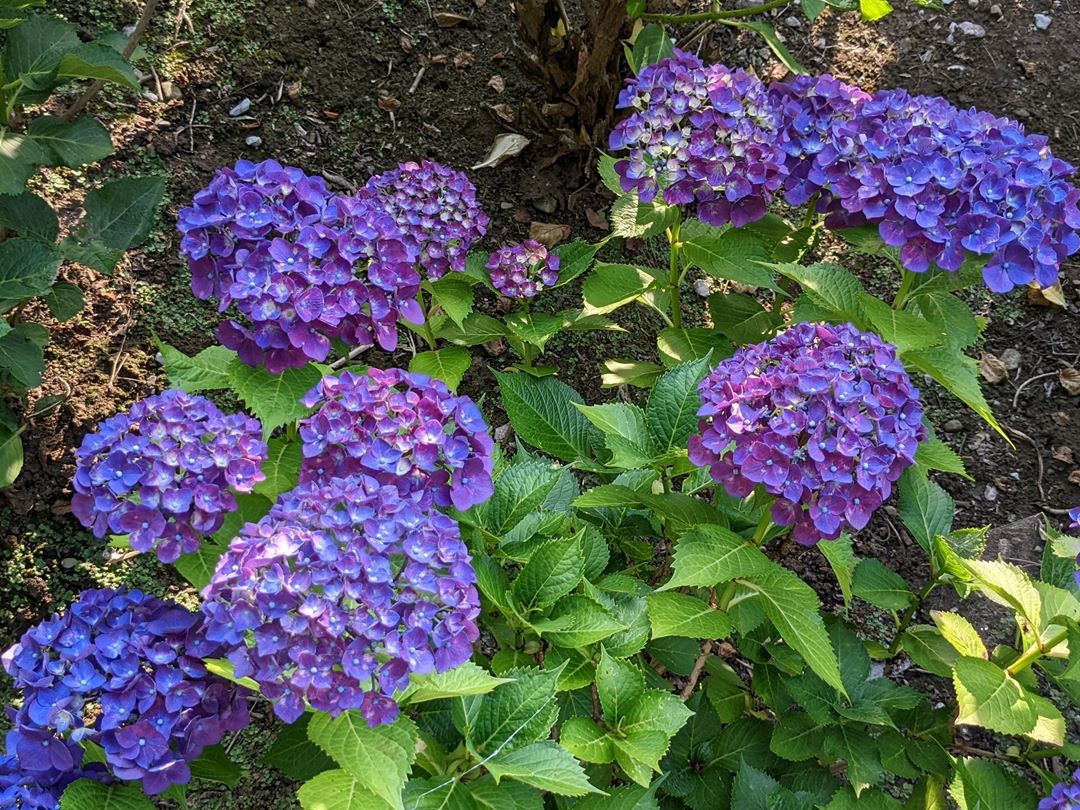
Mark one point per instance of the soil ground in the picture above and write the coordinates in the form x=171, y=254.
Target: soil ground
x=347, y=88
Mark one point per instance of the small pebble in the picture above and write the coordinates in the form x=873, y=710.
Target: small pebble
x=241, y=108
x=69, y=562
x=971, y=29
x=995, y=10
x=953, y=426
x=990, y=493
x=1011, y=359
x=1042, y=21
x=546, y=204
x=701, y=287
x=254, y=141
x=793, y=22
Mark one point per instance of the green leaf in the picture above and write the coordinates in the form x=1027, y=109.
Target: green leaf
x=988, y=696
x=378, y=758
x=902, y=329
x=448, y=364
x=751, y=788
x=874, y=9
x=198, y=567
x=630, y=372
x=792, y=606
x=624, y=432
x=934, y=454
x=542, y=413
x=830, y=287
x=544, y=765
x=610, y=286
x=812, y=8
x=467, y=679
x=841, y=558
x=681, y=345
x=631, y=218
x=28, y=215
x=676, y=614
x=11, y=456
x=768, y=33
x=274, y=399
x=574, y=259
x=586, y=741
x=858, y=751
x=27, y=268
x=92, y=60
x=928, y=649
x=523, y=489
x=215, y=765
x=619, y=684
x=121, y=213
x=477, y=328
x=551, y=573
x=516, y=714
x=454, y=295
x=22, y=356
x=710, y=555
x=93, y=254
x=19, y=158
x=671, y=416
x=796, y=737
x=75, y=143
x=959, y=632
x=577, y=621
x=651, y=45
x=741, y=317
x=1008, y=585
x=950, y=315
x=281, y=468
x=536, y=328
x=64, y=301
x=627, y=797
x=86, y=794
x=925, y=508
x=735, y=255
x=340, y=790
x=206, y=371
x=295, y=755
x=956, y=374
x=486, y=795
x=979, y=784
x=33, y=52
x=881, y=586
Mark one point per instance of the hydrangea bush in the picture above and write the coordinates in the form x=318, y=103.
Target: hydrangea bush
x=603, y=611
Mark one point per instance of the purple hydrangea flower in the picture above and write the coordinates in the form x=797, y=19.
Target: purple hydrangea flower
x=700, y=133
x=522, y=271
x=339, y=594
x=938, y=182
x=121, y=669
x=435, y=207
x=403, y=429
x=1064, y=796
x=822, y=417
x=1074, y=523
x=161, y=473
x=282, y=248
x=37, y=789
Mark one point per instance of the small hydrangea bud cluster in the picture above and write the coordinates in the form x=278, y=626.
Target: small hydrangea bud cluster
x=522, y=271
x=700, y=133
x=401, y=428
x=283, y=249
x=1064, y=796
x=434, y=206
x=823, y=417
x=340, y=593
x=121, y=669
x=161, y=472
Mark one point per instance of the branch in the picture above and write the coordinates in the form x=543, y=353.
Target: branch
x=704, y=16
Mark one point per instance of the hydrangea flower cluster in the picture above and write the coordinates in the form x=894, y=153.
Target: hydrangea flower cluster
x=283, y=249
x=1074, y=523
x=1064, y=796
x=823, y=417
x=403, y=429
x=161, y=472
x=40, y=789
x=122, y=669
x=339, y=594
x=435, y=207
x=521, y=271
x=700, y=133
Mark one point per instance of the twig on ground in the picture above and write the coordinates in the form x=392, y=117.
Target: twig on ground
x=419, y=76
x=1024, y=384
x=1038, y=455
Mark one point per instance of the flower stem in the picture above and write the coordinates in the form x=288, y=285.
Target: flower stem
x=909, y=614
x=705, y=16
x=673, y=274
x=762, y=528
x=429, y=335
x=1035, y=652
x=907, y=278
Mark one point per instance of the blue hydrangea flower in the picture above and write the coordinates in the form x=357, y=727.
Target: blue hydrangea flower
x=123, y=670
x=698, y=133
x=822, y=417
x=1065, y=796
x=521, y=271
x=32, y=788
x=403, y=429
x=162, y=472
x=285, y=251
x=435, y=207
x=339, y=594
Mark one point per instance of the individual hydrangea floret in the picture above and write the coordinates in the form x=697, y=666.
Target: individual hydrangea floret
x=121, y=669
x=822, y=417
x=698, y=133
x=341, y=593
x=521, y=271
x=435, y=207
x=1066, y=795
x=401, y=428
x=161, y=473
x=285, y=251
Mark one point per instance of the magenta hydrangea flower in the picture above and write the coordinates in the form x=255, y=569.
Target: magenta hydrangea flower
x=1064, y=796
x=341, y=593
x=403, y=429
x=435, y=207
x=162, y=472
x=303, y=266
x=521, y=271
x=822, y=417
x=121, y=669
x=700, y=133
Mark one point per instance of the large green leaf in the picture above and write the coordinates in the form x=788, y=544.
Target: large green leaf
x=28, y=215
x=552, y=572
x=378, y=758
x=206, y=371
x=33, y=52
x=74, y=143
x=677, y=614
x=92, y=60
x=956, y=374
x=516, y=714
x=86, y=794
x=295, y=755
x=274, y=399
x=680, y=345
x=574, y=259
x=546, y=766
x=926, y=509
x=980, y=784
x=11, y=456
x=477, y=328
x=577, y=621
x=624, y=432
x=741, y=317
x=22, y=356
x=710, y=555
x=671, y=415
x=881, y=586
x=341, y=790
x=281, y=468
x=64, y=300
x=526, y=488
x=990, y=697
x=121, y=213
x=448, y=364
x=830, y=287
x=19, y=158
x=199, y=566
x=454, y=295
x=734, y=254
x=651, y=45
x=903, y=329
x=467, y=679
x=950, y=315
x=610, y=286
x=27, y=268
x=542, y=413
x=841, y=557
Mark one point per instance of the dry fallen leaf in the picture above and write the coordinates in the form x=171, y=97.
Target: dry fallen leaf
x=1070, y=380
x=505, y=147
x=430, y=129
x=1074, y=477
x=521, y=216
x=447, y=19
x=1061, y=419
x=549, y=234
x=497, y=83
x=292, y=89
x=1052, y=296
x=438, y=59
x=406, y=44
x=388, y=104
x=596, y=219
x=1063, y=454
x=503, y=111
x=479, y=3
x=992, y=369
x=495, y=347
x=464, y=59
